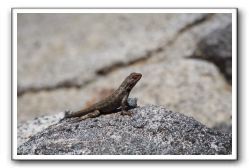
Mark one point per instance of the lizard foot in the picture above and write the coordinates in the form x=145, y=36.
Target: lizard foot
x=129, y=113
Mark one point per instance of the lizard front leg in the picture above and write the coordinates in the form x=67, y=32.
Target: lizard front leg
x=125, y=106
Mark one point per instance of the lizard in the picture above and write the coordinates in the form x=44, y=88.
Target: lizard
x=118, y=99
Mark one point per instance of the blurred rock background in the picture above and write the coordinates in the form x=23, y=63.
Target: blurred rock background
x=69, y=61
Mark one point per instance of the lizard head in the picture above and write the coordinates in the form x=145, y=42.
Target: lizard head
x=131, y=81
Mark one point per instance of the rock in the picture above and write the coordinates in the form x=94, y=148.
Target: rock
x=223, y=127
x=217, y=48
x=151, y=130
x=31, y=127
x=61, y=50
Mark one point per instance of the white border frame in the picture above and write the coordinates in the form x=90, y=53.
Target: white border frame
x=234, y=154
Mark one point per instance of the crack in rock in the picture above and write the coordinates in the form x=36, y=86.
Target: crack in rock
x=70, y=83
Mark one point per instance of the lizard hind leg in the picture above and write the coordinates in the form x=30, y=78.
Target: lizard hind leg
x=90, y=115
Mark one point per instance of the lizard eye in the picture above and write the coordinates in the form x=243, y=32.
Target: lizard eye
x=134, y=77
x=137, y=76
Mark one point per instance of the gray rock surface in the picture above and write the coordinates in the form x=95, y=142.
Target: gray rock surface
x=65, y=49
x=27, y=129
x=150, y=130
x=217, y=48
x=70, y=61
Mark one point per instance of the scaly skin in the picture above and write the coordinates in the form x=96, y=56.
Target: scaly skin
x=111, y=103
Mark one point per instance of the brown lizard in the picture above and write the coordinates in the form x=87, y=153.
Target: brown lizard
x=114, y=101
